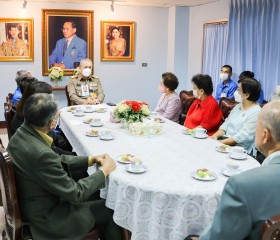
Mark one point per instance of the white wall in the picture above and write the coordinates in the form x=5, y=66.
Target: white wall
x=166, y=39
x=198, y=16
x=120, y=80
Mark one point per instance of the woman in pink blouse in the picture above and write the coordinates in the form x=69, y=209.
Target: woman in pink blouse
x=169, y=104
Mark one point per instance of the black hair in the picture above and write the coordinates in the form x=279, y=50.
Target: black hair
x=203, y=82
x=252, y=87
x=228, y=66
x=170, y=81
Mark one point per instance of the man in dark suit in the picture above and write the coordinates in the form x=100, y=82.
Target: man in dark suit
x=250, y=198
x=69, y=49
x=54, y=204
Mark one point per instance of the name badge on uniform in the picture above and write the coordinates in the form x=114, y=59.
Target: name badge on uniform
x=92, y=85
x=85, y=90
x=223, y=95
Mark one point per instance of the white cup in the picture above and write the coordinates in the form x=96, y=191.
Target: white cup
x=238, y=151
x=106, y=135
x=88, y=108
x=79, y=111
x=200, y=131
x=232, y=166
x=136, y=164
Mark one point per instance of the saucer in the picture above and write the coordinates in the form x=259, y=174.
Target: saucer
x=89, y=134
x=86, y=121
x=226, y=151
x=188, y=131
x=201, y=136
x=107, y=138
x=140, y=170
x=238, y=157
x=227, y=173
x=79, y=114
x=101, y=110
x=71, y=109
x=89, y=110
x=209, y=178
x=96, y=124
x=120, y=160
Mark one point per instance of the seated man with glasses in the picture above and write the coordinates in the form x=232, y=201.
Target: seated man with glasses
x=69, y=49
x=54, y=204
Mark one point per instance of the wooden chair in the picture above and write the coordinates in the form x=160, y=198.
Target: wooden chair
x=187, y=99
x=14, y=229
x=8, y=114
x=271, y=229
x=226, y=105
x=67, y=97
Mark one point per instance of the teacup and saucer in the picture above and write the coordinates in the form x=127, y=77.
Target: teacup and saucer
x=238, y=152
x=78, y=112
x=200, y=133
x=106, y=135
x=232, y=167
x=136, y=166
x=96, y=122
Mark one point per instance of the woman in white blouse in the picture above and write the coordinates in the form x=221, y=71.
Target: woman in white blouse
x=240, y=126
x=169, y=104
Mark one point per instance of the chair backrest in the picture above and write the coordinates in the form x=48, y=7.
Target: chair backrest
x=67, y=97
x=13, y=227
x=8, y=114
x=271, y=229
x=187, y=99
x=226, y=105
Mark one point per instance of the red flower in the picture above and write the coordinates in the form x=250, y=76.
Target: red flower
x=136, y=107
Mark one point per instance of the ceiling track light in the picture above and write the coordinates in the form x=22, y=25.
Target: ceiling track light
x=24, y=4
x=112, y=7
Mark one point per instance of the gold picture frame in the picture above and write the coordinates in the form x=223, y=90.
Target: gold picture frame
x=53, y=37
x=16, y=40
x=120, y=49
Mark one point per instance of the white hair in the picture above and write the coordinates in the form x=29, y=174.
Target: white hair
x=270, y=117
x=276, y=94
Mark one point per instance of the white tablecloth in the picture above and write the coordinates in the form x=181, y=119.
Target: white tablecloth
x=165, y=202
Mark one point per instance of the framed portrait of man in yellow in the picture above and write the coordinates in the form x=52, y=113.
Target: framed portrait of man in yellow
x=16, y=40
x=67, y=37
x=117, y=41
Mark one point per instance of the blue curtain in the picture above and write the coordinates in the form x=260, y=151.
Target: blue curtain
x=214, y=54
x=254, y=41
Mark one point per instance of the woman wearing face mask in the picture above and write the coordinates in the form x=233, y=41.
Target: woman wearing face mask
x=204, y=111
x=240, y=126
x=85, y=88
x=169, y=104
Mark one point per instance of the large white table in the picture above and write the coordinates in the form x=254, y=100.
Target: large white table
x=165, y=202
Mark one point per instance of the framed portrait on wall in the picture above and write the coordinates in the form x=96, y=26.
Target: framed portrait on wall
x=16, y=40
x=67, y=37
x=117, y=41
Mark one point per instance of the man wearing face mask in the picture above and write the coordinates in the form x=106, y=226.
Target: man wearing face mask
x=84, y=88
x=227, y=87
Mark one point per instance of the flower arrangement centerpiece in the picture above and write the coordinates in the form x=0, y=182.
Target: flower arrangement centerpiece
x=131, y=111
x=56, y=74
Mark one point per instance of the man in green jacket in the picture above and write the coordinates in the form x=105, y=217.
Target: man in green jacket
x=54, y=204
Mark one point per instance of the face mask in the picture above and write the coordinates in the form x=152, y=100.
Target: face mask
x=237, y=96
x=86, y=72
x=195, y=94
x=161, y=88
x=223, y=76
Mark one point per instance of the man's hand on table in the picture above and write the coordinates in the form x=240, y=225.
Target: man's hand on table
x=106, y=162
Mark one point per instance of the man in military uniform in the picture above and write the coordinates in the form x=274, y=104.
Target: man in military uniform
x=83, y=87
x=14, y=46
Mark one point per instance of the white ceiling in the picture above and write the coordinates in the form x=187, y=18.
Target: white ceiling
x=149, y=3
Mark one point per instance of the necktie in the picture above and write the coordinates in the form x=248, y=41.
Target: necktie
x=65, y=47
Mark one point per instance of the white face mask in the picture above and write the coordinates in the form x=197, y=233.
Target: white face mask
x=86, y=72
x=195, y=93
x=237, y=96
x=223, y=76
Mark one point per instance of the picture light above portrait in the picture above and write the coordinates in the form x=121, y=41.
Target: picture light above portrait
x=24, y=4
